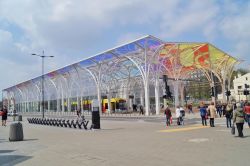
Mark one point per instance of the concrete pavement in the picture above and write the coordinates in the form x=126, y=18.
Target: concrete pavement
x=121, y=143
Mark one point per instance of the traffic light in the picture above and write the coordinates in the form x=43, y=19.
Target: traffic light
x=246, y=86
x=212, y=92
x=228, y=93
x=246, y=92
x=165, y=78
x=169, y=94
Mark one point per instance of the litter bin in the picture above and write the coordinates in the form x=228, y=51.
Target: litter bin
x=95, y=115
x=96, y=120
x=16, y=131
x=20, y=118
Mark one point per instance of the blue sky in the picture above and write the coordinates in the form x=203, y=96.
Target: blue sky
x=72, y=30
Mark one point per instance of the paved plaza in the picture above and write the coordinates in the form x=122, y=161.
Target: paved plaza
x=127, y=142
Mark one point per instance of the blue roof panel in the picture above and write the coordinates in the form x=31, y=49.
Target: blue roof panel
x=151, y=41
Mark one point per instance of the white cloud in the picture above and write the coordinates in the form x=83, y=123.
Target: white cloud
x=128, y=37
x=194, y=15
x=66, y=28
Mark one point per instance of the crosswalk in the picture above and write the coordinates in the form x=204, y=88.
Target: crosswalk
x=188, y=128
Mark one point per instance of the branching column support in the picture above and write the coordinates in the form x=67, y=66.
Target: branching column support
x=157, y=96
x=22, y=96
x=109, y=100
x=97, y=78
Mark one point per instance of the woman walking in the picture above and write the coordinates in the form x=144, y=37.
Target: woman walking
x=238, y=118
x=4, y=116
x=211, y=113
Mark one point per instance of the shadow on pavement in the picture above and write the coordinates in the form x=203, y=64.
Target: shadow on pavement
x=35, y=139
x=114, y=129
x=245, y=136
x=12, y=159
x=6, y=151
x=3, y=140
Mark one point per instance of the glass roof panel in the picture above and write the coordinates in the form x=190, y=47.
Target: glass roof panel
x=102, y=57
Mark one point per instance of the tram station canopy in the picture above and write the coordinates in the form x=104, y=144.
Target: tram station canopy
x=139, y=63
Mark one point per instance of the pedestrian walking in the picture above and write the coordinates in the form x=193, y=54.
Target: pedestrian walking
x=203, y=113
x=190, y=108
x=211, y=111
x=229, y=115
x=178, y=115
x=168, y=116
x=4, y=116
x=223, y=109
x=141, y=110
x=182, y=115
x=134, y=108
x=238, y=119
x=219, y=108
x=78, y=113
x=247, y=113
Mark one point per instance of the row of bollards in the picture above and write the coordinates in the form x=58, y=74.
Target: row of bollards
x=60, y=122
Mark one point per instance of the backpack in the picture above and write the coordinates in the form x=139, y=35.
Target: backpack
x=182, y=113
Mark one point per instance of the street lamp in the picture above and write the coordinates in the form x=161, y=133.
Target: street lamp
x=43, y=56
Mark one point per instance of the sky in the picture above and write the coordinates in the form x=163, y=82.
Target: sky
x=72, y=30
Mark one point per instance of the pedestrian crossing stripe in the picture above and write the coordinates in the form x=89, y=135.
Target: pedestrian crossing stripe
x=183, y=129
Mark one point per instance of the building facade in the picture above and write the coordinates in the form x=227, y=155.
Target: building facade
x=241, y=83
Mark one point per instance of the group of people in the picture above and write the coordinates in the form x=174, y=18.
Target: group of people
x=235, y=114
x=238, y=113
x=179, y=112
x=141, y=111
x=4, y=114
x=206, y=112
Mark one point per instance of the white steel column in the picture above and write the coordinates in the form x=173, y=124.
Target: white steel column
x=131, y=103
x=182, y=94
x=8, y=101
x=48, y=105
x=78, y=105
x=147, y=102
x=99, y=97
x=81, y=106
x=109, y=102
x=58, y=105
x=69, y=104
x=176, y=93
x=157, y=96
x=142, y=98
x=127, y=98
x=63, y=109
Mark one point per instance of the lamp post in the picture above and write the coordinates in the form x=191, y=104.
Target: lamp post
x=42, y=56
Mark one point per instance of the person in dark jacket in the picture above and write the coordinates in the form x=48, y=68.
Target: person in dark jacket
x=238, y=118
x=203, y=113
x=168, y=116
x=247, y=113
x=4, y=116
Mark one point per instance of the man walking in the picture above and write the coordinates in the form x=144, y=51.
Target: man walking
x=168, y=116
x=238, y=118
